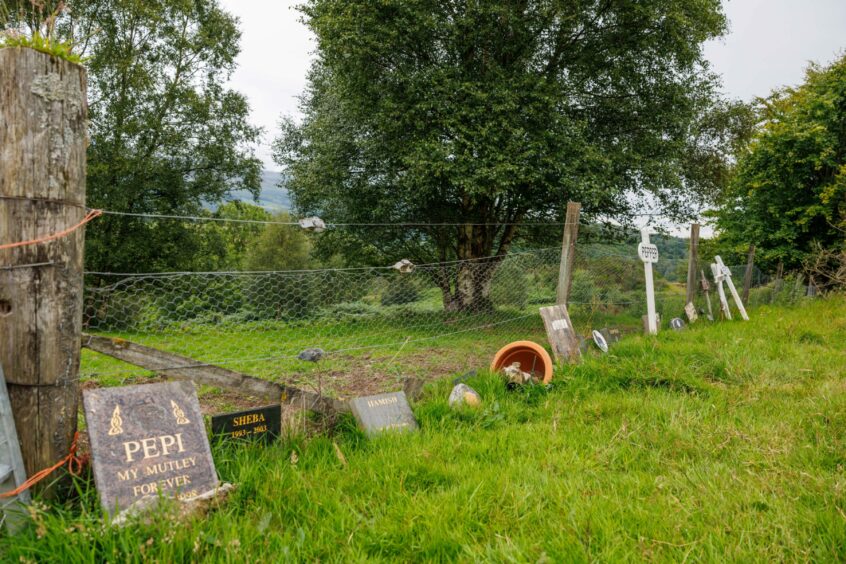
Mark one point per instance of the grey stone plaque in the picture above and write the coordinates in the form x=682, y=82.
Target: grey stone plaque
x=148, y=440
x=383, y=412
x=612, y=335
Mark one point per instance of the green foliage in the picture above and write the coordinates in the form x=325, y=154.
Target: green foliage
x=280, y=247
x=789, y=191
x=32, y=24
x=491, y=112
x=510, y=285
x=59, y=49
x=723, y=442
x=400, y=290
x=167, y=135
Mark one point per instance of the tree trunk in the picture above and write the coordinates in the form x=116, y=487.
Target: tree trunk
x=43, y=113
x=468, y=286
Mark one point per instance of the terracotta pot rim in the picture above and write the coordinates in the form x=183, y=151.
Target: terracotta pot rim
x=528, y=346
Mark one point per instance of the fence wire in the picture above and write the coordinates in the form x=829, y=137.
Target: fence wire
x=445, y=317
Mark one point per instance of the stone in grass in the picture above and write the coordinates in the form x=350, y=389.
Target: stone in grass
x=383, y=412
x=462, y=394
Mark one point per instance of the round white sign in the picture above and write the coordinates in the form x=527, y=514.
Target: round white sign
x=648, y=252
x=599, y=339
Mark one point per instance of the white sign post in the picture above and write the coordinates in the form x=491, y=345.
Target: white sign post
x=648, y=253
x=719, y=277
x=727, y=276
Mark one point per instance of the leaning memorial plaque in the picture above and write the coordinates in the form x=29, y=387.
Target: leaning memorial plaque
x=263, y=423
x=146, y=441
x=383, y=412
x=561, y=334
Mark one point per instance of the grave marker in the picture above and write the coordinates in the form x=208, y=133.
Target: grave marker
x=148, y=440
x=262, y=422
x=648, y=253
x=560, y=332
x=719, y=277
x=612, y=335
x=12, y=473
x=690, y=311
x=730, y=283
x=600, y=341
x=383, y=412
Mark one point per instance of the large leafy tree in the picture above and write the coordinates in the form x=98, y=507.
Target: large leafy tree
x=789, y=191
x=492, y=114
x=167, y=135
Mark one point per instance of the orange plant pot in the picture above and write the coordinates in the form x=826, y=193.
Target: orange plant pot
x=532, y=357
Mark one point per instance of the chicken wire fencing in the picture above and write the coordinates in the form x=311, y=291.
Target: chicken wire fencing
x=451, y=315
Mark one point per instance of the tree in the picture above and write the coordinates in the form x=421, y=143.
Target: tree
x=491, y=114
x=788, y=195
x=280, y=247
x=167, y=136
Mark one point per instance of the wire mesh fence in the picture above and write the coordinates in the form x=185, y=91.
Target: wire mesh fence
x=448, y=316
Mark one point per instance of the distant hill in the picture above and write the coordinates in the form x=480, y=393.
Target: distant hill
x=273, y=198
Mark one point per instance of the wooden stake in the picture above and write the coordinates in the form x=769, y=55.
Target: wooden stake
x=43, y=141
x=747, y=276
x=693, y=251
x=730, y=283
x=706, y=289
x=718, y=280
x=568, y=252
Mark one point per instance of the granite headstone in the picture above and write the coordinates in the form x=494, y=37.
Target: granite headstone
x=383, y=412
x=148, y=440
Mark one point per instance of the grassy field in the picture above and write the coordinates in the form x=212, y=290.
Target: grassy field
x=723, y=442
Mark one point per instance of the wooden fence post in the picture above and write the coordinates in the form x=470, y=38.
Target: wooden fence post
x=568, y=252
x=691, y=263
x=747, y=276
x=43, y=113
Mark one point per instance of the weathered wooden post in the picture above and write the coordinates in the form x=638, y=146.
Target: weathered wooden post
x=43, y=112
x=568, y=252
x=693, y=251
x=747, y=276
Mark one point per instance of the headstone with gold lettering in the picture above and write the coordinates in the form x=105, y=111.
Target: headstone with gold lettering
x=383, y=412
x=260, y=423
x=146, y=441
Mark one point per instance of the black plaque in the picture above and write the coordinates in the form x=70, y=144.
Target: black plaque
x=263, y=423
x=383, y=412
x=146, y=441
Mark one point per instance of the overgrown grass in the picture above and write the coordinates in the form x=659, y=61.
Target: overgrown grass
x=723, y=442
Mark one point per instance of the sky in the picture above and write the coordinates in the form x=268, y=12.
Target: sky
x=769, y=45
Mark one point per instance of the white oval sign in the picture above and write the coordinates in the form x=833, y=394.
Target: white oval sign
x=647, y=253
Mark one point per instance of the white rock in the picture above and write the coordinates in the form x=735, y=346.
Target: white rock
x=463, y=394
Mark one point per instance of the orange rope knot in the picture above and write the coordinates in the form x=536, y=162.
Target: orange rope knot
x=91, y=215
x=74, y=463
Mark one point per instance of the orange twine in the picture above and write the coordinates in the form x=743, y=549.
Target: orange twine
x=91, y=215
x=74, y=467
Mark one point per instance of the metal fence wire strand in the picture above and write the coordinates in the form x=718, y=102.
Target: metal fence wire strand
x=258, y=322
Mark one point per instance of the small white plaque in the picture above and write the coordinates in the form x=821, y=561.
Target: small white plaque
x=560, y=325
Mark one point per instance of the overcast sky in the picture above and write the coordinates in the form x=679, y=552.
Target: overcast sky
x=769, y=44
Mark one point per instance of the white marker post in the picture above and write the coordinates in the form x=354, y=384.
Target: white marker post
x=718, y=280
x=727, y=275
x=648, y=253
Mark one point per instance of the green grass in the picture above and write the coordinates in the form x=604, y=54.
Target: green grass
x=723, y=442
